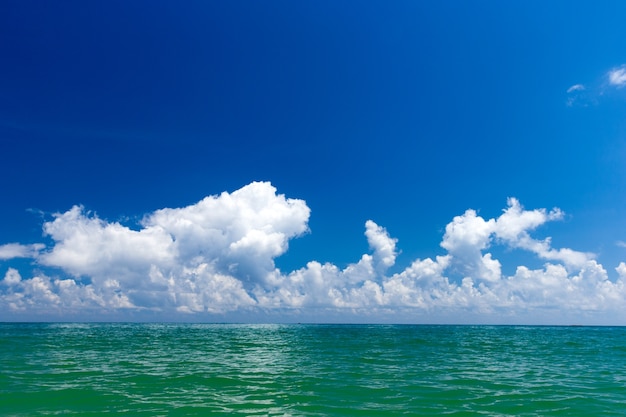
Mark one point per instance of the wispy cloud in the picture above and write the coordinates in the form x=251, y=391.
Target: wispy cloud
x=577, y=95
x=217, y=256
x=592, y=93
x=617, y=76
x=576, y=87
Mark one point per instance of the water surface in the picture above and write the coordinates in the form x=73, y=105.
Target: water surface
x=311, y=370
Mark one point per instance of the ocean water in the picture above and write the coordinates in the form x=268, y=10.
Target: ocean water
x=311, y=370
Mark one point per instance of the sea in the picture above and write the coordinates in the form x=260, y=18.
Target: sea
x=310, y=370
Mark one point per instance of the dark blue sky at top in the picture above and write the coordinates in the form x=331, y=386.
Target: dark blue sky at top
x=405, y=112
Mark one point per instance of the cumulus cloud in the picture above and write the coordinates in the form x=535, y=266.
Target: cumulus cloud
x=87, y=245
x=217, y=256
x=195, y=258
x=515, y=223
x=384, y=247
x=465, y=239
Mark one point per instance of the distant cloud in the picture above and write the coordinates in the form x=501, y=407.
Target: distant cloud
x=577, y=95
x=513, y=227
x=617, y=76
x=195, y=258
x=584, y=95
x=576, y=87
x=217, y=256
x=383, y=246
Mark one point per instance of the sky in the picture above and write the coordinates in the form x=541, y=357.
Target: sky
x=313, y=161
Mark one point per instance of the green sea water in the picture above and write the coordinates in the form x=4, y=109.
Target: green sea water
x=311, y=370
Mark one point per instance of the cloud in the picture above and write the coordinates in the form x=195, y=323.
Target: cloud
x=16, y=250
x=513, y=227
x=579, y=95
x=184, y=258
x=617, y=76
x=217, y=256
x=465, y=239
x=85, y=245
x=582, y=95
x=576, y=87
x=384, y=247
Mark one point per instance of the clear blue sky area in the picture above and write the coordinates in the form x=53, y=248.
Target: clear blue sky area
x=406, y=113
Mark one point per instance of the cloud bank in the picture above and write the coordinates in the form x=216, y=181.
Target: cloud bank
x=216, y=258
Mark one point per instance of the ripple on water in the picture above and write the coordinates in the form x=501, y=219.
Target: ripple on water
x=312, y=370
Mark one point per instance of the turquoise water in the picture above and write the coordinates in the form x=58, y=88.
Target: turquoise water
x=311, y=370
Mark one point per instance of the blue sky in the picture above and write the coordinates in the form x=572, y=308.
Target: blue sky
x=326, y=115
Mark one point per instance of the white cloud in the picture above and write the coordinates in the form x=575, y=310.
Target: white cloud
x=617, y=76
x=12, y=277
x=240, y=233
x=86, y=245
x=384, y=247
x=576, y=87
x=16, y=250
x=465, y=239
x=513, y=227
x=580, y=95
x=185, y=258
x=217, y=256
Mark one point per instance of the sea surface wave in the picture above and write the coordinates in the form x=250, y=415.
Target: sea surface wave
x=310, y=370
